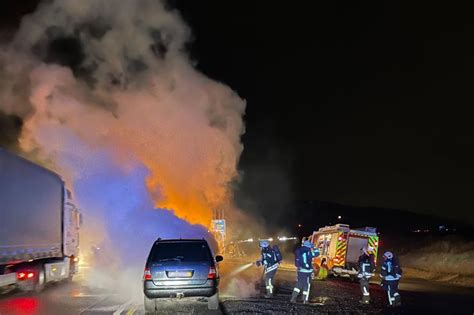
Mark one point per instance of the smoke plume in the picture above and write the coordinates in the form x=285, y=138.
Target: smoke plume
x=110, y=99
x=116, y=75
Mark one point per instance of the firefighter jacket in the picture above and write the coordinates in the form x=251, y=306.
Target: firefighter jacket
x=304, y=258
x=391, y=270
x=269, y=259
x=366, y=266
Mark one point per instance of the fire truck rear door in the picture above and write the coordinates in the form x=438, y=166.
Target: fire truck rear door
x=354, y=245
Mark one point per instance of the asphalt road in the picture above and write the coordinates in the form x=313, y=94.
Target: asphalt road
x=240, y=294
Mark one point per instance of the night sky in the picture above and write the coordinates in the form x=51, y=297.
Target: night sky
x=361, y=103
x=366, y=104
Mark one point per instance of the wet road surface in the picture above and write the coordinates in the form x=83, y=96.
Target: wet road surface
x=241, y=294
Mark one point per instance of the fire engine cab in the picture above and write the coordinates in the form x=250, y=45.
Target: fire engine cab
x=341, y=246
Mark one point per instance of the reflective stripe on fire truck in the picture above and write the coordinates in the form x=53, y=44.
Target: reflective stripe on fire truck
x=374, y=243
x=341, y=249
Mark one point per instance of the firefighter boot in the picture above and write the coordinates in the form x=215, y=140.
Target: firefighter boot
x=269, y=287
x=294, y=296
x=365, y=299
x=398, y=301
x=269, y=294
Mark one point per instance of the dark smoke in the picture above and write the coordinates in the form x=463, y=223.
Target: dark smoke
x=10, y=130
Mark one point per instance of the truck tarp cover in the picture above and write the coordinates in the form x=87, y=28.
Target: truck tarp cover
x=30, y=210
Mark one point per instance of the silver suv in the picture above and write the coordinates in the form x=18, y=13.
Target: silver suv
x=178, y=268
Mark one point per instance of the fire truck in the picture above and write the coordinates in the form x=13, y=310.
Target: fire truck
x=341, y=246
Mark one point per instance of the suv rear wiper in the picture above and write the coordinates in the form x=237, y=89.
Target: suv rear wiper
x=179, y=258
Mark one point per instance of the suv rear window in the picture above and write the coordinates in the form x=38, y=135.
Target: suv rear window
x=185, y=251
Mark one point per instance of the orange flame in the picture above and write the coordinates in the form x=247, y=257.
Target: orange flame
x=188, y=207
x=193, y=198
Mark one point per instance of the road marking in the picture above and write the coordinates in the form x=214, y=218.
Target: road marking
x=92, y=305
x=110, y=308
x=80, y=295
x=132, y=311
x=122, y=307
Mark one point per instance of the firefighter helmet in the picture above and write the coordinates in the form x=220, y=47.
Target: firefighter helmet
x=388, y=255
x=368, y=250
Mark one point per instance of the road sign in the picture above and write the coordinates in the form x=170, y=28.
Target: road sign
x=218, y=226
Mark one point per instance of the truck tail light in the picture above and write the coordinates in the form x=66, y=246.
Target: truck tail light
x=147, y=274
x=212, y=273
x=25, y=275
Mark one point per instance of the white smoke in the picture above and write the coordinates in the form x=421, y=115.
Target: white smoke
x=115, y=73
x=107, y=84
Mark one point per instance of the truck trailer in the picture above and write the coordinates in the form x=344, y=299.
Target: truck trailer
x=341, y=247
x=39, y=225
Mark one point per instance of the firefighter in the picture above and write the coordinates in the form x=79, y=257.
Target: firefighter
x=270, y=261
x=391, y=273
x=304, y=263
x=366, y=265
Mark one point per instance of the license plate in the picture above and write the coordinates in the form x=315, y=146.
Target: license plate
x=180, y=274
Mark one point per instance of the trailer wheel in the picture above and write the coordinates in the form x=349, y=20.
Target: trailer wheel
x=40, y=280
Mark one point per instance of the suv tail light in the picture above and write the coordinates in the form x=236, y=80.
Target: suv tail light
x=212, y=273
x=147, y=274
